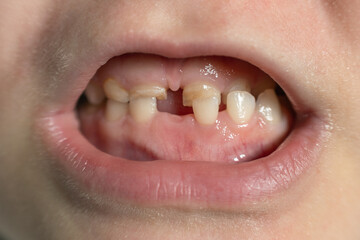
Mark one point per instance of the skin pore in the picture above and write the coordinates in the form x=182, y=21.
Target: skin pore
x=43, y=42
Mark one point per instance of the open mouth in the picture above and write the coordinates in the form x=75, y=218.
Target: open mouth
x=207, y=131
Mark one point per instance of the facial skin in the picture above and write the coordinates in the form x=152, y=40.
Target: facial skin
x=43, y=41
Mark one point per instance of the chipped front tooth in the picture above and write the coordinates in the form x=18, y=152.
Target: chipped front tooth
x=115, y=110
x=114, y=91
x=206, y=110
x=148, y=91
x=240, y=84
x=142, y=109
x=240, y=106
x=199, y=91
x=268, y=106
x=264, y=82
x=94, y=93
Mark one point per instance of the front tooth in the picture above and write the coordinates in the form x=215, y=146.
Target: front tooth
x=199, y=91
x=240, y=84
x=142, y=109
x=94, y=93
x=206, y=110
x=114, y=91
x=115, y=110
x=240, y=106
x=268, y=106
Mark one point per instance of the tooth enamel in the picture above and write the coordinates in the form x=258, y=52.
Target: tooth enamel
x=142, y=109
x=206, y=110
x=240, y=106
x=240, y=84
x=268, y=106
x=115, y=110
x=114, y=91
x=264, y=82
x=94, y=94
x=199, y=91
x=149, y=91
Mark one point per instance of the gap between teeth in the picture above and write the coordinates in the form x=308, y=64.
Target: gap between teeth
x=204, y=98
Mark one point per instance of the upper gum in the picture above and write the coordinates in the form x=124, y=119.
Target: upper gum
x=139, y=69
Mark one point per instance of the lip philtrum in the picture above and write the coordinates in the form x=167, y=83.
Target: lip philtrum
x=229, y=138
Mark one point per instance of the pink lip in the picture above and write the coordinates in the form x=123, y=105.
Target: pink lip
x=172, y=183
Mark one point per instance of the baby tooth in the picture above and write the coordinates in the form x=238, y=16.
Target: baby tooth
x=206, y=110
x=240, y=106
x=264, y=82
x=268, y=106
x=114, y=91
x=199, y=91
x=142, y=109
x=115, y=110
x=149, y=91
x=94, y=94
x=237, y=85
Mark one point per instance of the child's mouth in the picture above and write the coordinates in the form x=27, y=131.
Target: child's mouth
x=175, y=130
x=146, y=107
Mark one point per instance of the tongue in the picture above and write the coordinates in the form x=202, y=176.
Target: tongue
x=173, y=133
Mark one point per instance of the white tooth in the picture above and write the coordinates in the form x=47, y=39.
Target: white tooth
x=268, y=106
x=114, y=91
x=240, y=84
x=115, y=110
x=94, y=93
x=199, y=91
x=149, y=91
x=264, y=82
x=240, y=106
x=142, y=109
x=206, y=110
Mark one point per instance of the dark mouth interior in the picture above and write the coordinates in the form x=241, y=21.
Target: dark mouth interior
x=173, y=106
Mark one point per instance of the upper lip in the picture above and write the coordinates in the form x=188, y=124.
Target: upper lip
x=66, y=148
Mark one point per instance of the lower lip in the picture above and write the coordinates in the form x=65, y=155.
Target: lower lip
x=185, y=184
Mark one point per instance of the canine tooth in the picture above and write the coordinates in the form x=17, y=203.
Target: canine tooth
x=240, y=106
x=94, y=94
x=199, y=91
x=264, y=82
x=268, y=106
x=149, y=91
x=240, y=84
x=114, y=91
x=206, y=110
x=142, y=109
x=115, y=110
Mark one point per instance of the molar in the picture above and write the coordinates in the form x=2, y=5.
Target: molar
x=205, y=100
x=268, y=106
x=240, y=106
x=94, y=93
x=114, y=91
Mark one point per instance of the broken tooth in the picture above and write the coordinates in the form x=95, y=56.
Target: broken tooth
x=240, y=84
x=142, y=109
x=199, y=91
x=268, y=106
x=149, y=91
x=240, y=106
x=206, y=110
x=115, y=110
x=114, y=91
x=264, y=82
x=94, y=93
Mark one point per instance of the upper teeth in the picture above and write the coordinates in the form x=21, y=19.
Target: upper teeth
x=204, y=98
